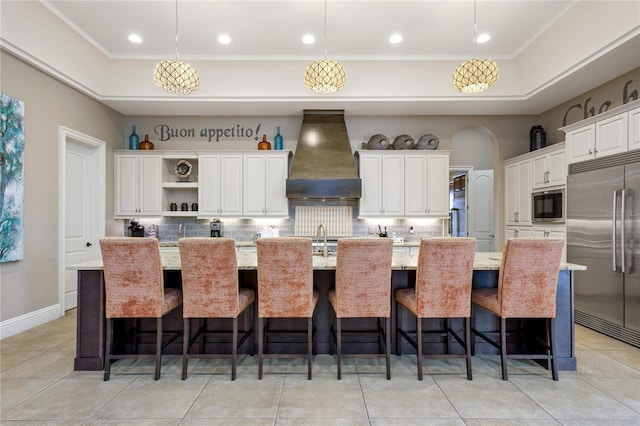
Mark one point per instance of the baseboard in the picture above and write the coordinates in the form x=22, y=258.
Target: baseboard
x=27, y=321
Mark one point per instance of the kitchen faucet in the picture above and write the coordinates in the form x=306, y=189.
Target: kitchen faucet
x=181, y=230
x=323, y=230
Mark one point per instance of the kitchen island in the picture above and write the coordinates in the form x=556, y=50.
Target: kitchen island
x=91, y=321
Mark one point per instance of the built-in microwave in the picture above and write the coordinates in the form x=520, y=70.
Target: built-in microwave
x=548, y=206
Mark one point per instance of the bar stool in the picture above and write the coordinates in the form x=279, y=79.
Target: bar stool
x=363, y=289
x=527, y=287
x=443, y=290
x=134, y=288
x=210, y=290
x=285, y=288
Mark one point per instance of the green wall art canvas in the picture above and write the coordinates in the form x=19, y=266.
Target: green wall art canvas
x=11, y=178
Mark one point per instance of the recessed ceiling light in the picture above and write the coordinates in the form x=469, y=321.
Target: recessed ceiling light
x=224, y=39
x=308, y=39
x=483, y=38
x=395, y=39
x=135, y=38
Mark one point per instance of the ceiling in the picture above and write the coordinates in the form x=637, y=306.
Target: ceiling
x=260, y=71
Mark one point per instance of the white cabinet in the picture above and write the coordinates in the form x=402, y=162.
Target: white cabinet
x=220, y=185
x=549, y=169
x=634, y=129
x=264, y=185
x=581, y=143
x=519, y=232
x=383, y=185
x=518, y=192
x=138, y=185
x=427, y=182
x=611, y=132
x=605, y=137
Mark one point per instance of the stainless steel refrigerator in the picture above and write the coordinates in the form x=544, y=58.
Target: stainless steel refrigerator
x=603, y=233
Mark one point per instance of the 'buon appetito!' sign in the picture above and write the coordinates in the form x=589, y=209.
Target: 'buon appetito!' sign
x=165, y=132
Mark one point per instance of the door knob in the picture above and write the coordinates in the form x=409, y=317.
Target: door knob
x=89, y=244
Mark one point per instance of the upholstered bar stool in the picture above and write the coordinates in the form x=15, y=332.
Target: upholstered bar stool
x=363, y=288
x=443, y=290
x=285, y=288
x=210, y=290
x=134, y=288
x=527, y=287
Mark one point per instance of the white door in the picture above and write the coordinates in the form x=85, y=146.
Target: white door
x=80, y=243
x=480, y=208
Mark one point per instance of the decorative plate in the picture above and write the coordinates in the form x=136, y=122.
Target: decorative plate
x=183, y=169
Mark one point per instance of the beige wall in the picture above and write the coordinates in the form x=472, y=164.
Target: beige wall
x=32, y=284
x=602, y=98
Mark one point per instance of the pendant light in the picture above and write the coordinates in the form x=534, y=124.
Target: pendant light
x=325, y=75
x=477, y=74
x=176, y=77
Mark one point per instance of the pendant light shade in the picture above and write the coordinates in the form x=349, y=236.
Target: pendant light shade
x=475, y=75
x=175, y=76
x=324, y=76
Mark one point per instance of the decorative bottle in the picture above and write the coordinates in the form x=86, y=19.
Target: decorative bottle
x=134, y=140
x=264, y=144
x=277, y=140
x=537, y=138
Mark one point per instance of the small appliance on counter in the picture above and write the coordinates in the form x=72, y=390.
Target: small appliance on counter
x=216, y=228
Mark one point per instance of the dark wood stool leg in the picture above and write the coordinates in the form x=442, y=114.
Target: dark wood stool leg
x=419, y=343
x=467, y=345
x=552, y=344
x=186, y=338
x=309, y=345
x=108, y=349
x=234, y=350
x=387, y=346
x=339, y=346
x=260, y=344
x=503, y=348
x=158, y=347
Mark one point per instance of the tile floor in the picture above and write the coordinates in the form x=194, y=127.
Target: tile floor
x=38, y=386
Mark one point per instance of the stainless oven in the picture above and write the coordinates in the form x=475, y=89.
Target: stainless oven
x=548, y=206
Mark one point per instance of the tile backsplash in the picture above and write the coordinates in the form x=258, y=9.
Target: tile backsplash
x=171, y=229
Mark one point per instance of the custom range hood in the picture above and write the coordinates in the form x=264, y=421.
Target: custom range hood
x=323, y=166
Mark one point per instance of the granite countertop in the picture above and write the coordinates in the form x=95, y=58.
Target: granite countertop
x=253, y=244
x=247, y=260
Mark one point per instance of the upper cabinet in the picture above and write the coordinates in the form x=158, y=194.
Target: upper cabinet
x=220, y=180
x=382, y=184
x=549, y=168
x=634, y=129
x=264, y=184
x=608, y=133
x=405, y=184
x=427, y=180
x=138, y=185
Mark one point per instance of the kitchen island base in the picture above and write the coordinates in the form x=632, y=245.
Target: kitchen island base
x=91, y=323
